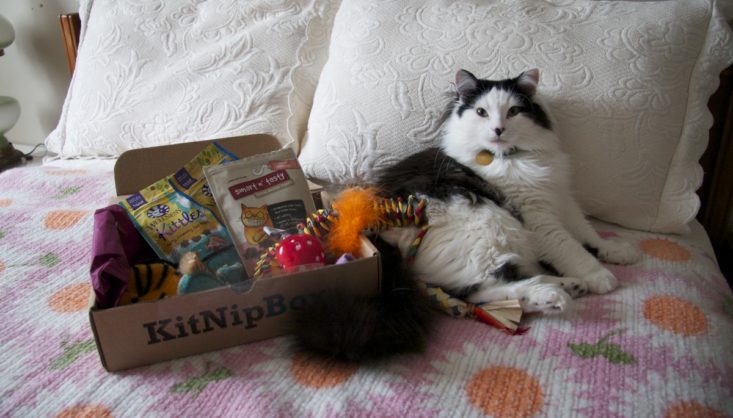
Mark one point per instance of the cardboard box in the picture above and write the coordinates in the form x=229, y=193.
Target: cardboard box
x=145, y=333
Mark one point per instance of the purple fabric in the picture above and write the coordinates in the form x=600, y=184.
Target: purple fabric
x=116, y=245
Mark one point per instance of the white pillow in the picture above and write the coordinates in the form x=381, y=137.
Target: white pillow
x=155, y=73
x=627, y=82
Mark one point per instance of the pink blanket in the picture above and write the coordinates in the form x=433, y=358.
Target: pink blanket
x=660, y=346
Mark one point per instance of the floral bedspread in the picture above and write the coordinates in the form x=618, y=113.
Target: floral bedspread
x=660, y=346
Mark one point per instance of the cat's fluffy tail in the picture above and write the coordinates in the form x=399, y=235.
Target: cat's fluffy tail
x=353, y=328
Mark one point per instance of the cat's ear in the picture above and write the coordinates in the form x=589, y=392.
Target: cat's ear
x=465, y=82
x=528, y=81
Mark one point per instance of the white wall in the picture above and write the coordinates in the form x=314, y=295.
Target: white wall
x=34, y=68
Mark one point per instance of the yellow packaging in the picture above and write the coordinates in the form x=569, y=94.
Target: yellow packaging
x=172, y=223
x=190, y=179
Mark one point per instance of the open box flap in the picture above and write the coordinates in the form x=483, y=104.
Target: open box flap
x=138, y=168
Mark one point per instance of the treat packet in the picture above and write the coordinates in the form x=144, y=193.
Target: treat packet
x=260, y=192
x=169, y=220
x=174, y=225
x=190, y=179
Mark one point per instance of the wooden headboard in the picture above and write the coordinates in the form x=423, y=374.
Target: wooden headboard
x=716, y=192
x=70, y=29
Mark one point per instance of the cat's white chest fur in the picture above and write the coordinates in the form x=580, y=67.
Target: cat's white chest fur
x=466, y=243
x=529, y=180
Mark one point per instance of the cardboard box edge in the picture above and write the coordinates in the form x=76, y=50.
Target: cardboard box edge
x=368, y=251
x=100, y=350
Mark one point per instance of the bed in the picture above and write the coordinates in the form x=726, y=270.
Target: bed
x=659, y=346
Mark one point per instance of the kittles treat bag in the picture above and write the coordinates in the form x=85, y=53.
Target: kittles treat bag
x=190, y=179
x=266, y=190
x=174, y=225
x=168, y=219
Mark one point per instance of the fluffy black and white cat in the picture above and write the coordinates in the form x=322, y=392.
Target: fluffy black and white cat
x=533, y=171
x=494, y=221
x=472, y=244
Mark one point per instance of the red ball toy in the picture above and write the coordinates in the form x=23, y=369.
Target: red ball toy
x=299, y=250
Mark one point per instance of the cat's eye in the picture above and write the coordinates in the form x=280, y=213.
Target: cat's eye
x=513, y=111
x=481, y=112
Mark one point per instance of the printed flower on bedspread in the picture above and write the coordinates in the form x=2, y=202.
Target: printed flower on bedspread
x=668, y=254
x=71, y=298
x=72, y=352
x=45, y=247
x=614, y=353
x=505, y=392
x=259, y=379
x=665, y=249
x=286, y=384
x=196, y=384
x=486, y=379
x=48, y=346
x=87, y=410
x=54, y=233
x=661, y=342
x=690, y=409
x=619, y=372
x=470, y=369
x=676, y=315
x=679, y=303
x=59, y=365
x=220, y=383
x=49, y=354
x=46, y=288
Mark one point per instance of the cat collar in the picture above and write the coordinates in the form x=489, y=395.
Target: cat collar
x=486, y=157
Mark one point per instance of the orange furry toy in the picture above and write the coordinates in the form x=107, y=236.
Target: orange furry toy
x=357, y=210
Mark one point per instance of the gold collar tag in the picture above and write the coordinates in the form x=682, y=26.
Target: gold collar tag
x=484, y=157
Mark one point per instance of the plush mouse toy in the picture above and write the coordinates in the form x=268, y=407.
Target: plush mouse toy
x=198, y=276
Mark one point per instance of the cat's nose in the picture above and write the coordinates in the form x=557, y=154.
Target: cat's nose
x=498, y=131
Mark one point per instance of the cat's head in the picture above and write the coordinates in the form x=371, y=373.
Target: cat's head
x=254, y=217
x=498, y=116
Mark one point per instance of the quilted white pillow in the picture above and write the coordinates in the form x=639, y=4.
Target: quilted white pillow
x=160, y=72
x=627, y=82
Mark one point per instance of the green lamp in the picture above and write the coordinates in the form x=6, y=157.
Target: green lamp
x=9, y=107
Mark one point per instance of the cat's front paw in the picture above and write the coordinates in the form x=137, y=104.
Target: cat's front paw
x=546, y=298
x=619, y=252
x=572, y=286
x=601, y=281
